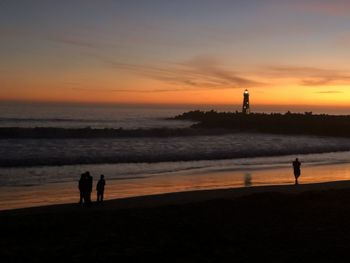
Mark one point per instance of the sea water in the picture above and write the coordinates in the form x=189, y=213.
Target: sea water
x=147, y=165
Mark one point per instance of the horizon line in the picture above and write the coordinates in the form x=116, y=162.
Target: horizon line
x=150, y=104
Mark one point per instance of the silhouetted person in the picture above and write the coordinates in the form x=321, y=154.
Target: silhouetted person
x=100, y=188
x=296, y=168
x=82, y=190
x=89, y=180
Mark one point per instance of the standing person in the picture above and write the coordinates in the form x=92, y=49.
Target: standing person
x=89, y=181
x=82, y=188
x=100, y=188
x=296, y=168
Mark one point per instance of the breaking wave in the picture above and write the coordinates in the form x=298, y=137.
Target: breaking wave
x=53, y=152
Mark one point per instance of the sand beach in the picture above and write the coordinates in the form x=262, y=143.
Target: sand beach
x=276, y=223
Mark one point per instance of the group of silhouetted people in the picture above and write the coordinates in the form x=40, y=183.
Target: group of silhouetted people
x=86, y=182
x=85, y=188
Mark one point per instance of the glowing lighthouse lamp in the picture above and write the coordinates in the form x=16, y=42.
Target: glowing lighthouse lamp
x=245, y=106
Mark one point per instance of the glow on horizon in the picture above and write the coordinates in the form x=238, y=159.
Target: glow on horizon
x=188, y=52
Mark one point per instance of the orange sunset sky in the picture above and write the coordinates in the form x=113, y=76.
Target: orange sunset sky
x=176, y=52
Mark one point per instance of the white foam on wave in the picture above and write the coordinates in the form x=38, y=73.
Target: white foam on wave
x=31, y=152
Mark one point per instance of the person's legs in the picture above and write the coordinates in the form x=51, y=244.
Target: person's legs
x=99, y=197
x=90, y=201
x=296, y=175
x=81, y=198
x=87, y=198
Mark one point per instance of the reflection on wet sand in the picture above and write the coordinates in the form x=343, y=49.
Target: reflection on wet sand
x=16, y=197
x=247, y=180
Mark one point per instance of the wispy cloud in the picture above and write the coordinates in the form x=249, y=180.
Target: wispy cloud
x=343, y=40
x=332, y=8
x=63, y=38
x=208, y=73
x=318, y=82
x=329, y=92
x=197, y=73
x=127, y=90
x=75, y=42
x=310, y=76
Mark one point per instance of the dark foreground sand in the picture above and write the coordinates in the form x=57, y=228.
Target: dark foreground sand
x=305, y=223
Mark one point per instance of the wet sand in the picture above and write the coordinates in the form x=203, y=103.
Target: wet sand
x=183, y=181
x=304, y=223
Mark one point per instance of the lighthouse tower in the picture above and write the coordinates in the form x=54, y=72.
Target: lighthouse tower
x=245, y=106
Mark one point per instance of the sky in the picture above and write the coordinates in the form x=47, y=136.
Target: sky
x=175, y=52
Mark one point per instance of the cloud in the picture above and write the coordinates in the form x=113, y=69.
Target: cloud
x=197, y=73
x=329, y=92
x=14, y=32
x=331, y=8
x=317, y=82
x=127, y=90
x=343, y=40
x=300, y=70
x=310, y=76
x=62, y=38
x=75, y=42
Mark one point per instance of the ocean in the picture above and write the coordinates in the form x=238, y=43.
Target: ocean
x=45, y=171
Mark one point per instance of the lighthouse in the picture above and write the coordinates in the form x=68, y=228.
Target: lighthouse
x=245, y=106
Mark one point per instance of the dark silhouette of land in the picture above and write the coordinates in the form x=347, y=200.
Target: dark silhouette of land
x=288, y=123
x=206, y=123
x=309, y=223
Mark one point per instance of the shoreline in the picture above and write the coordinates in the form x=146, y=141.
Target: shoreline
x=223, y=175
x=185, y=197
